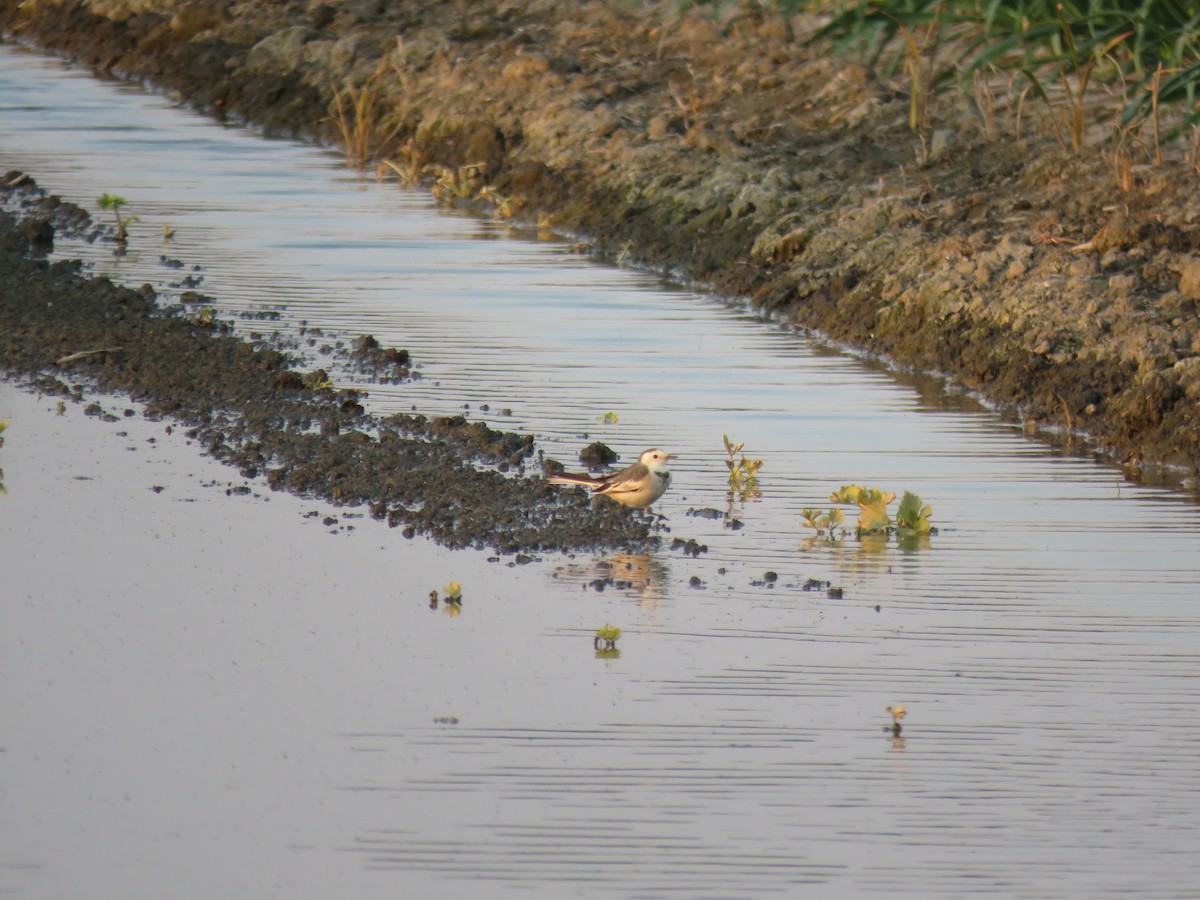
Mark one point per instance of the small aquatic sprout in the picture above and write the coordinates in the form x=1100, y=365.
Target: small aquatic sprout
x=609, y=418
x=898, y=712
x=168, y=232
x=607, y=637
x=912, y=516
x=451, y=602
x=205, y=316
x=829, y=525
x=113, y=202
x=872, y=504
x=61, y=408
x=743, y=473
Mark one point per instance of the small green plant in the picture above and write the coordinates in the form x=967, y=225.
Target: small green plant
x=912, y=516
x=609, y=418
x=1150, y=51
x=607, y=637
x=3, y=425
x=451, y=603
x=743, y=473
x=872, y=505
x=898, y=712
x=830, y=525
x=114, y=203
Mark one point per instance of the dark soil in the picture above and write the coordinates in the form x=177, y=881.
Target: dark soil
x=460, y=482
x=1060, y=286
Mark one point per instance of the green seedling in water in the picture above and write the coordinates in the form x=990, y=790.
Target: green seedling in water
x=607, y=637
x=451, y=603
x=912, y=516
x=609, y=418
x=743, y=473
x=829, y=525
x=872, y=505
x=113, y=202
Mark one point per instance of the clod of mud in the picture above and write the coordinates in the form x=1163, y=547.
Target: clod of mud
x=597, y=456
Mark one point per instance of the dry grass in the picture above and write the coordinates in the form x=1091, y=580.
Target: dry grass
x=357, y=114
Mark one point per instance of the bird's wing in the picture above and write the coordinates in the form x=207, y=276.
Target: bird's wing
x=631, y=479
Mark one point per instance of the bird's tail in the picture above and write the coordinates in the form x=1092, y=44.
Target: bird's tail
x=568, y=478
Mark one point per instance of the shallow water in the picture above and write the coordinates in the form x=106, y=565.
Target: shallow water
x=236, y=698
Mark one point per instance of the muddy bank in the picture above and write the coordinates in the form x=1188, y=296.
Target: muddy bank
x=729, y=152
x=460, y=482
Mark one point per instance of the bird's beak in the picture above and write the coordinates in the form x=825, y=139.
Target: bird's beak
x=671, y=456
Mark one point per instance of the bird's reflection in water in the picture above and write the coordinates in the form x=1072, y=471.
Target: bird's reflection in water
x=638, y=575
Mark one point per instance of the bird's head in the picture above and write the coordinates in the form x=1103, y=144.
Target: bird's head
x=655, y=458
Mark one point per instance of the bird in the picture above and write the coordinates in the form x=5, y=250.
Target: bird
x=637, y=486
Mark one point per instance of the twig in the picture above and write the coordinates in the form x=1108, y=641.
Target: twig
x=71, y=357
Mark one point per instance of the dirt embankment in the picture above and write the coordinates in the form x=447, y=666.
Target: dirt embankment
x=729, y=152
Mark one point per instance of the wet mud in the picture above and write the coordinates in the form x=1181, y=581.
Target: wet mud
x=725, y=150
x=459, y=482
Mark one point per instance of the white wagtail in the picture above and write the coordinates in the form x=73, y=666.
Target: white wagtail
x=637, y=486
